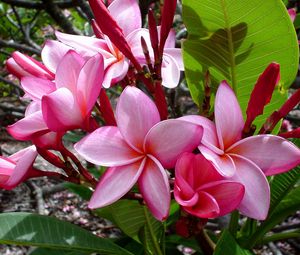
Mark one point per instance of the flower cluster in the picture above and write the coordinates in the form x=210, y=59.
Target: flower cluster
x=213, y=167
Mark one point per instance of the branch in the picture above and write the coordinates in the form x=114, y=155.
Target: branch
x=18, y=46
x=25, y=30
x=56, y=13
x=11, y=84
x=85, y=8
x=37, y=5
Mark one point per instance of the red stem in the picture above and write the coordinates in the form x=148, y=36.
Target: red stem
x=84, y=172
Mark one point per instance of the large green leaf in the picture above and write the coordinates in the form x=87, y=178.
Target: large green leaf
x=289, y=205
x=48, y=232
x=46, y=251
x=236, y=40
x=281, y=185
x=228, y=245
x=129, y=216
x=152, y=234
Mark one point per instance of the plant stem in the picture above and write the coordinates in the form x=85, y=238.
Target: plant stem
x=84, y=172
x=204, y=241
x=234, y=223
x=280, y=236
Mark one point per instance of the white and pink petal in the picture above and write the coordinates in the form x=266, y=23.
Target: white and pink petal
x=115, y=183
x=272, y=154
x=106, y=147
x=228, y=116
x=154, y=186
x=136, y=114
x=256, y=201
x=168, y=139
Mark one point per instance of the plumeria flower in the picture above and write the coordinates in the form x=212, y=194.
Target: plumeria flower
x=78, y=84
x=246, y=160
x=115, y=63
x=128, y=16
x=201, y=190
x=17, y=168
x=138, y=150
x=61, y=105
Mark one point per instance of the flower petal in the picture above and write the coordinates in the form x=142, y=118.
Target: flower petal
x=176, y=54
x=127, y=14
x=86, y=46
x=207, y=206
x=136, y=115
x=185, y=199
x=13, y=68
x=134, y=40
x=52, y=54
x=170, y=72
x=256, y=201
x=106, y=147
x=228, y=116
x=68, y=70
x=227, y=194
x=61, y=111
x=32, y=66
x=28, y=127
x=22, y=167
x=209, y=139
x=170, y=138
x=115, y=183
x=90, y=82
x=184, y=172
x=223, y=163
x=154, y=186
x=115, y=72
x=272, y=154
x=33, y=107
x=37, y=87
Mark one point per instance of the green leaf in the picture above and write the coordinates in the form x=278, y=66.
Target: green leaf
x=80, y=190
x=129, y=216
x=236, y=40
x=281, y=185
x=228, y=245
x=131, y=245
x=48, y=232
x=151, y=234
x=44, y=251
x=297, y=21
x=175, y=240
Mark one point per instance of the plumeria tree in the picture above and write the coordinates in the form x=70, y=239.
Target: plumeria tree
x=163, y=173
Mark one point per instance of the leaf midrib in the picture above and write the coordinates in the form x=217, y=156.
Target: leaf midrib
x=230, y=47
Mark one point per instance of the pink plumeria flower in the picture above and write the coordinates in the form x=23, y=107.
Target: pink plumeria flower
x=138, y=150
x=247, y=160
x=17, y=168
x=78, y=84
x=115, y=63
x=128, y=16
x=60, y=105
x=22, y=65
x=201, y=190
